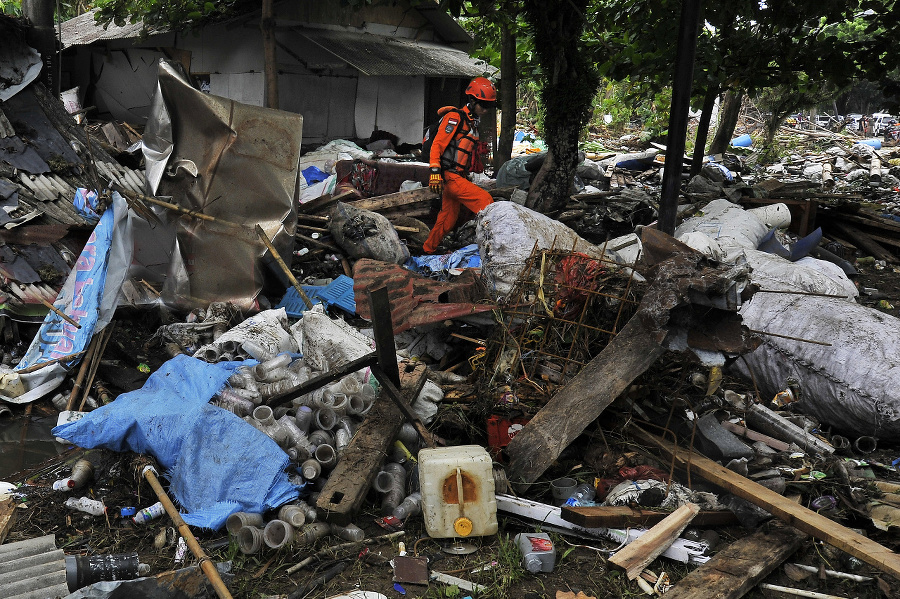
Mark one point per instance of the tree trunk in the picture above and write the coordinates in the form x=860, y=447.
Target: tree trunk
x=266, y=24
x=42, y=38
x=508, y=86
x=569, y=83
x=731, y=110
x=709, y=102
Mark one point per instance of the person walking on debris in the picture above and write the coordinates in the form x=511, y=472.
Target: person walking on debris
x=451, y=156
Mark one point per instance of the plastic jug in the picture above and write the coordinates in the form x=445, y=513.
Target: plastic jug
x=457, y=486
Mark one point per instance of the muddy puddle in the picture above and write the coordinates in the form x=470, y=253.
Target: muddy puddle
x=25, y=441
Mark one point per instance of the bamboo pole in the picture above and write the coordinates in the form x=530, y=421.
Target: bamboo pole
x=105, y=335
x=205, y=563
x=284, y=267
x=82, y=371
x=40, y=365
x=60, y=313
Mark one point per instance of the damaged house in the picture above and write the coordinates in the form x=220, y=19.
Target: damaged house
x=348, y=72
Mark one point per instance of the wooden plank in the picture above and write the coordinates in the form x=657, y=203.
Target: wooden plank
x=392, y=200
x=349, y=482
x=796, y=515
x=866, y=242
x=581, y=401
x=637, y=555
x=622, y=516
x=324, y=202
x=7, y=518
x=733, y=571
x=874, y=221
x=742, y=431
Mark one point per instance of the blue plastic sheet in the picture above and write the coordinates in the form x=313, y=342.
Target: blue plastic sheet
x=437, y=266
x=217, y=464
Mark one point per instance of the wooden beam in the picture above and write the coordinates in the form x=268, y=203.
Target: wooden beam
x=873, y=221
x=581, y=401
x=623, y=516
x=392, y=200
x=796, y=515
x=733, y=571
x=636, y=556
x=349, y=482
x=864, y=241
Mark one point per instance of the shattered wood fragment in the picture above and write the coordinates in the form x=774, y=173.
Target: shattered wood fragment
x=7, y=517
x=745, y=432
x=324, y=202
x=733, y=571
x=798, y=516
x=349, y=482
x=636, y=556
x=623, y=516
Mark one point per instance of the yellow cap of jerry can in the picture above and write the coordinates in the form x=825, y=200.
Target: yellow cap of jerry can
x=463, y=526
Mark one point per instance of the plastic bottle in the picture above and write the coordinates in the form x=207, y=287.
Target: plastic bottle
x=311, y=469
x=584, y=493
x=304, y=418
x=272, y=370
x=538, y=553
x=391, y=481
x=278, y=534
x=410, y=506
x=250, y=540
x=264, y=416
x=325, y=419
x=311, y=533
x=326, y=456
x=239, y=520
x=351, y=532
x=233, y=402
x=82, y=472
x=321, y=437
x=86, y=505
x=149, y=513
x=293, y=515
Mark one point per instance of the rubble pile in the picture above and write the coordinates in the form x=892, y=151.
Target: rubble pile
x=277, y=393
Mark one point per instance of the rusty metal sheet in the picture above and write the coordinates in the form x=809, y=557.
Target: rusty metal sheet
x=414, y=299
x=238, y=164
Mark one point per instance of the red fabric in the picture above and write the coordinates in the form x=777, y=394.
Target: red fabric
x=457, y=191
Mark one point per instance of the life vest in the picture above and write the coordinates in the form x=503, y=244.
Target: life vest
x=457, y=156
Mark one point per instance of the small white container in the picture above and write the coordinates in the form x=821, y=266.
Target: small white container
x=457, y=486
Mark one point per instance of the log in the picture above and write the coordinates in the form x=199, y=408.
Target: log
x=796, y=515
x=581, y=401
x=636, y=556
x=733, y=571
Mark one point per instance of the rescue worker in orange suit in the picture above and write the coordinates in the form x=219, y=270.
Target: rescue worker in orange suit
x=451, y=159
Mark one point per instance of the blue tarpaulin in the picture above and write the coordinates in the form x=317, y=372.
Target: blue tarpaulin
x=217, y=464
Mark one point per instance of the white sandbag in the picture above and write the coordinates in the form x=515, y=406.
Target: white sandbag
x=733, y=228
x=851, y=385
x=704, y=244
x=774, y=216
x=506, y=234
x=328, y=343
x=807, y=274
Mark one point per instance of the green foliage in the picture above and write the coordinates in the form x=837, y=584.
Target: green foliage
x=168, y=14
x=11, y=7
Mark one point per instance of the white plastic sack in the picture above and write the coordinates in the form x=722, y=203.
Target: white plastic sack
x=807, y=274
x=732, y=227
x=267, y=330
x=851, y=384
x=506, y=233
x=328, y=342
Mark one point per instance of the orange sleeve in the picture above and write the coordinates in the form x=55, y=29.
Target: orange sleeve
x=449, y=124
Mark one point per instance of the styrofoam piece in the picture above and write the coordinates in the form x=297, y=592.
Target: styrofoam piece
x=550, y=518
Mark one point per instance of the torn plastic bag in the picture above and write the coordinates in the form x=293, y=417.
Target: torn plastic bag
x=366, y=234
x=851, y=384
x=437, y=266
x=89, y=297
x=217, y=464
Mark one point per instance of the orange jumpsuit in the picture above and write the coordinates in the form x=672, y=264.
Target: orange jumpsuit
x=451, y=151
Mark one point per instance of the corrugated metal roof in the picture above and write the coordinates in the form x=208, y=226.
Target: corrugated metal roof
x=374, y=55
x=83, y=30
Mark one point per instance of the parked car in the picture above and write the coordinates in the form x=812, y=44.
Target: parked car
x=853, y=121
x=880, y=121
